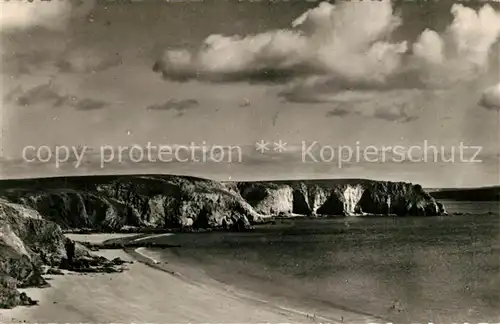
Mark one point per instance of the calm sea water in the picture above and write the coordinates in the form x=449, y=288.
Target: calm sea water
x=439, y=269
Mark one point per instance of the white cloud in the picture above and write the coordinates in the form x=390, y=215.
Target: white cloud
x=491, y=98
x=327, y=39
x=82, y=60
x=331, y=49
x=51, y=52
x=54, y=14
x=348, y=42
x=462, y=52
x=25, y=14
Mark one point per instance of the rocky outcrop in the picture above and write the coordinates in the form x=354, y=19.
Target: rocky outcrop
x=268, y=199
x=340, y=197
x=398, y=198
x=110, y=203
x=29, y=244
x=114, y=202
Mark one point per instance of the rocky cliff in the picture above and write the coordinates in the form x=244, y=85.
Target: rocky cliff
x=112, y=202
x=348, y=197
x=29, y=245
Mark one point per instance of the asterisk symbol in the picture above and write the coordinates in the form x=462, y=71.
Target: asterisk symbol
x=280, y=146
x=262, y=146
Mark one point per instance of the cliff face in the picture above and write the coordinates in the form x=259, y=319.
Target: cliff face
x=29, y=245
x=342, y=197
x=26, y=243
x=270, y=199
x=109, y=203
x=112, y=202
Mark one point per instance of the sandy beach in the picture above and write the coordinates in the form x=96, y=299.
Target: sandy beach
x=142, y=294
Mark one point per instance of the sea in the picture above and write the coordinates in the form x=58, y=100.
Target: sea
x=394, y=269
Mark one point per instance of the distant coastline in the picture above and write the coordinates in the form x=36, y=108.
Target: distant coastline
x=490, y=193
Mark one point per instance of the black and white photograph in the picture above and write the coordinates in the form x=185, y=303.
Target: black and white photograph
x=250, y=161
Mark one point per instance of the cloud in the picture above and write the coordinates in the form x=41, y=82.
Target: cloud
x=462, y=52
x=331, y=50
x=38, y=35
x=89, y=104
x=180, y=106
x=49, y=94
x=349, y=44
x=53, y=15
x=29, y=59
x=394, y=113
x=84, y=60
x=42, y=94
x=490, y=98
x=17, y=63
x=317, y=43
x=25, y=14
x=338, y=112
x=398, y=105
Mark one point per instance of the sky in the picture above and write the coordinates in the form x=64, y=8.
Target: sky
x=111, y=74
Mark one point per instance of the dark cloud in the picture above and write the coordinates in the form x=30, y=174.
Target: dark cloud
x=28, y=61
x=35, y=35
x=19, y=63
x=338, y=112
x=251, y=75
x=89, y=104
x=396, y=113
x=88, y=60
x=49, y=94
x=41, y=94
x=180, y=106
x=400, y=116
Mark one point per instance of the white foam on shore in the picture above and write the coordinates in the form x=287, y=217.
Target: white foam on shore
x=97, y=238
x=150, y=237
x=141, y=252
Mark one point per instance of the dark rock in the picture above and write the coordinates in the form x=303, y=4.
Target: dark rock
x=34, y=280
x=27, y=301
x=70, y=251
x=54, y=271
x=118, y=261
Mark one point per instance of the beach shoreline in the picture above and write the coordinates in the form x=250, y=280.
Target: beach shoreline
x=143, y=293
